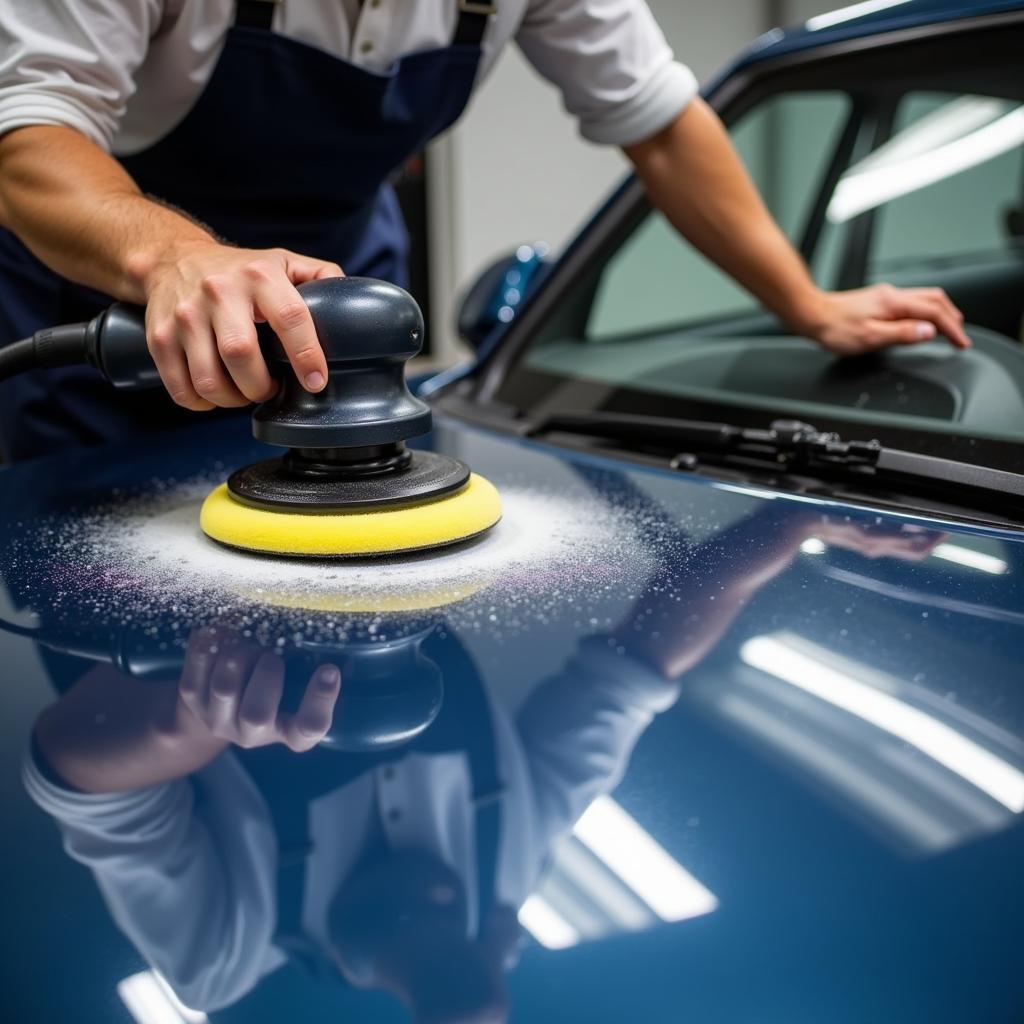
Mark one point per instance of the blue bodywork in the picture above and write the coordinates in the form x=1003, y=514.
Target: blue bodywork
x=855, y=871
x=845, y=24
x=760, y=753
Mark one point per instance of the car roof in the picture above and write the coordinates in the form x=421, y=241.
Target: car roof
x=860, y=20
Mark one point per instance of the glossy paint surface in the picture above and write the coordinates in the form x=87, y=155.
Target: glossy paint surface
x=757, y=758
x=858, y=20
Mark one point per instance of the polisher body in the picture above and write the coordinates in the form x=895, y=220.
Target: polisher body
x=347, y=486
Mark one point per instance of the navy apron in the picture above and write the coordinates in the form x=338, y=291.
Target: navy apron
x=286, y=146
x=290, y=782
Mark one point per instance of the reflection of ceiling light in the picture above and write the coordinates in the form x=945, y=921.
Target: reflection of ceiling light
x=971, y=558
x=645, y=866
x=967, y=557
x=150, y=1000
x=861, y=10
x=546, y=925
x=877, y=183
x=991, y=774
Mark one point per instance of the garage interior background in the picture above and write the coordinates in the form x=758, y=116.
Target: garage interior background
x=515, y=169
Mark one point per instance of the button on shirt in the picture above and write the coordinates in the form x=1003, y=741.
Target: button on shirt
x=125, y=72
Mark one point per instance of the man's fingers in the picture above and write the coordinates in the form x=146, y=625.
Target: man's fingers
x=257, y=713
x=227, y=682
x=290, y=320
x=209, y=379
x=239, y=348
x=162, y=341
x=881, y=333
x=200, y=657
x=933, y=307
x=304, y=268
x=310, y=723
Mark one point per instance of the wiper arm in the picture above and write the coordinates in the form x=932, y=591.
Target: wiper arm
x=787, y=445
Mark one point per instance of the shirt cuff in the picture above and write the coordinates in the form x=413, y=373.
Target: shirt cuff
x=98, y=811
x=662, y=99
x=23, y=110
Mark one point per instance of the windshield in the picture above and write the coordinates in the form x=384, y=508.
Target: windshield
x=923, y=187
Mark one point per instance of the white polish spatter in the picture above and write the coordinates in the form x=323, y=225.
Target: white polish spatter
x=145, y=561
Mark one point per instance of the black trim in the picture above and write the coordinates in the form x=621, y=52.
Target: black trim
x=255, y=13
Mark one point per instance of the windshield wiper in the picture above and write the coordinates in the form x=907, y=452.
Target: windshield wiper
x=787, y=446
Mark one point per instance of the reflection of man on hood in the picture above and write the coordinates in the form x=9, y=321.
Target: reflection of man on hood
x=400, y=872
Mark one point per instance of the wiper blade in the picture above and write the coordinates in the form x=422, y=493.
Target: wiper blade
x=788, y=445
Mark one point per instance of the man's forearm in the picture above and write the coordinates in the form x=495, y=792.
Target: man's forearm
x=80, y=212
x=694, y=176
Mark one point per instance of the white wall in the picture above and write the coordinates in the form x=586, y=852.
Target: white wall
x=515, y=169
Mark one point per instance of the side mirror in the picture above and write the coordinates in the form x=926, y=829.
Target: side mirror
x=495, y=296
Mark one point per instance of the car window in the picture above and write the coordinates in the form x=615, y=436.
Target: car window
x=917, y=186
x=656, y=279
x=947, y=185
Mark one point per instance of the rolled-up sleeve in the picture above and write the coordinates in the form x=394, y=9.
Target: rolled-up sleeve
x=72, y=63
x=612, y=64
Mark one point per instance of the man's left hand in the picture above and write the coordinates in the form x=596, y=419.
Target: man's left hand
x=866, y=319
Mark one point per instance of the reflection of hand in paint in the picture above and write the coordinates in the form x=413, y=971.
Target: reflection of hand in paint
x=908, y=543
x=684, y=613
x=234, y=688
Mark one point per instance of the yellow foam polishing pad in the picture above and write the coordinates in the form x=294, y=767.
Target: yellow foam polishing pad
x=360, y=532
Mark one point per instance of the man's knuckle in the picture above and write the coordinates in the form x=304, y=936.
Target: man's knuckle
x=255, y=718
x=161, y=338
x=186, y=312
x=236, y=345
x=216, y=286
x=292, y=314
x=206, y=387
x=257, y=269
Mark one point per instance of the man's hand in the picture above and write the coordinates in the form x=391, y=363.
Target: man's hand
x=203, y=300
x=694, y=176
x=77, y=209
x=235, y=687
x=852, y=323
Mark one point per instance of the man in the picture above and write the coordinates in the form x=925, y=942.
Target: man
x=204, y=157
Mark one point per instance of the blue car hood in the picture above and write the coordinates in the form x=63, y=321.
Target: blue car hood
x=748, y=756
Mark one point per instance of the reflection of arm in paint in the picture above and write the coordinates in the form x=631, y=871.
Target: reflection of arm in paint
x=579, y=727
x=187, y=866
x=686, y=610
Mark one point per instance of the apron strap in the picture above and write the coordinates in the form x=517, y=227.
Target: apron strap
x=474, y=17
x=255, y=13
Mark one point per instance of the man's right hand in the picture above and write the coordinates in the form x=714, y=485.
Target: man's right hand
x=203, y=300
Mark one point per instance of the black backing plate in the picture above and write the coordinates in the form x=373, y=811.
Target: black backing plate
x=271, y=485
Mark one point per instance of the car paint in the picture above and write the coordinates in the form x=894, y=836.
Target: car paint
x=855, y=876
x=822, y=31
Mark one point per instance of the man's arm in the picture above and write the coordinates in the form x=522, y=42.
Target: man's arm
x=78, y=210
x=694, y=176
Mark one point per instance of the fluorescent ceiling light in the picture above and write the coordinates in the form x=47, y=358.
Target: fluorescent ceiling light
x=830, y=18
x=983, y=769
x=876, y=183
x=150, y=1000
x=546, y=925
x=971, y=558
x=645, y=866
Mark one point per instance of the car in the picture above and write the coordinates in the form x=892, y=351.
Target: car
x=723, y=722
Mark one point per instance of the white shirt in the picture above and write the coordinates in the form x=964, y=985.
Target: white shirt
x=125, y=72
x=192, y=883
